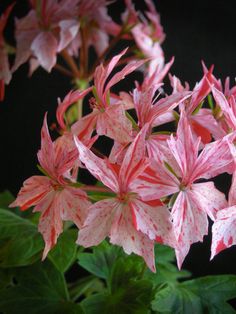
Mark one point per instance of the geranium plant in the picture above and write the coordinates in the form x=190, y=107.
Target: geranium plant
x=152, y=196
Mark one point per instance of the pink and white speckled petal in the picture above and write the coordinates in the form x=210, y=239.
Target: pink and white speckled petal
x=209, y=199
x=97, y=166
x=123, y=233
x=224, y=230
x=134, y=161
x=50, y=222
x=114, y=124
x=190, y=223
x=98, y=223
x=46, y=153
x=154, y=221
x=33, y=192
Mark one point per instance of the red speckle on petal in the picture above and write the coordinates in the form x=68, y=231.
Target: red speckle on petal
x=155, y=227
x=230, y=241
x=134, y=220
x=159, y=239
x=220, y=246
x=133, y=238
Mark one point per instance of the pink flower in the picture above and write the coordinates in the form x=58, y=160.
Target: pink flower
x=127, y=219
x=109, y=118
x=5, y=73
x=175, y=171
x=54, y=196
x=46, y=30
x=96, y=25
x=151, y=112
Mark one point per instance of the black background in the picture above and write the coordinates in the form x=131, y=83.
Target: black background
x=196, y=30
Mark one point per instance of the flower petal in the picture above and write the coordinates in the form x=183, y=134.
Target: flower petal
x=98, y=223
x=223, y=230
x=44, y=47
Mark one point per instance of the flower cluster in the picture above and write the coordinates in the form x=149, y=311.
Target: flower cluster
x=154, y=185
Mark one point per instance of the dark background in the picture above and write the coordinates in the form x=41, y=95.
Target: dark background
x=196, y=30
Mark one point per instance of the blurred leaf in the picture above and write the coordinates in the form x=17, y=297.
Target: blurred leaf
x=20, y=242
x=39, y=289
x=85, y=286
x=6, y=198
x=5, y=278
x=203, y=295
x=63, y=254
x=100, y=261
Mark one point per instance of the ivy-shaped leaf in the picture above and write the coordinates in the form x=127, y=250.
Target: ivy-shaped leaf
x=99, y=262
x=126, y=293
x=203, y=295
x=38, y=289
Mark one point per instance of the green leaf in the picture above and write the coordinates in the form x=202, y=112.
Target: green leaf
x=20, y=242
x=39, y=289
x=126, y=293
x=100, y=261
x=6, y=198
x=166, y=270
x=203, y=295
x=63, y=254
x=85, y=286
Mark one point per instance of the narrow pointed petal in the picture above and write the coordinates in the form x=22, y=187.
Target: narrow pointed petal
x=189, y=222
x=202, y=89
x=97, y=166
x=46, y=153
x=70, y=98
x=101, y=74
x=50, y=222
x=44, y=47
x=223, y=230
x=214, y=159
x=134, y=161
x=223, y=103
x=184, y=148
x=166, y=104
x=132, y=66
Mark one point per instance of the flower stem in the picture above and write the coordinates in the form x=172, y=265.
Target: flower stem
x=71, y=63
